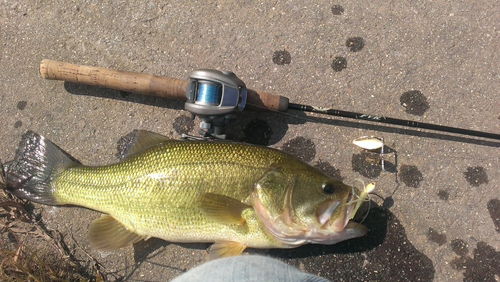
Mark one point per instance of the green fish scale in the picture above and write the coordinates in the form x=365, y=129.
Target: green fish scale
x=154, y=192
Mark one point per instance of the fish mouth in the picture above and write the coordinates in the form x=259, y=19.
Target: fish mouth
x=326, y=210
x=333, y=216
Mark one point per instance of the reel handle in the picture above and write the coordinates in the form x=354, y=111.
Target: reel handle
x=143, y=83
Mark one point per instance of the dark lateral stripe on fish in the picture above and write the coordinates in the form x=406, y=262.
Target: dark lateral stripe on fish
x=36, y=161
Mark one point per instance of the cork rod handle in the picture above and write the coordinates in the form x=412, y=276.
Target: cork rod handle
x=142, y=83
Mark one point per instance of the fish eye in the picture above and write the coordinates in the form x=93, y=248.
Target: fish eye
x=328, y=188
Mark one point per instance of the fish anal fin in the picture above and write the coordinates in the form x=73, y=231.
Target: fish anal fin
x=107, y=234
x=222, y=249
x=222, y=209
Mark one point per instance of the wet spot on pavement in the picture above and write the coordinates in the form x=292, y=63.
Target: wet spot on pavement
x=494, y=210
x=459, y=247
x=367, y=164
x=328, y=169
x=436, y=237
x=21, y=105
x=339, y=63
x=388, y=202
x=410, y=176
x=484, y=264
x=443, y=195
x=183, y=124
x=258, y=132
x=282, y=57
x=300, y=147
x=18, y=124
x=382, y=254
x=414, y=102
x=476, y=176
x=355, y=44
x=337, y=10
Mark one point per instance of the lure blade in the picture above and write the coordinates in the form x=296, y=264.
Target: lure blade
x=370, y=187
x=369, y=142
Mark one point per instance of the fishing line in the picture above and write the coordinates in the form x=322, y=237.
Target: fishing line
x=209, y=92
x=366, y=199
x=312, y=119
x=387, y=201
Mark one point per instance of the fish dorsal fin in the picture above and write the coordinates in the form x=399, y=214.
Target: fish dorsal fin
x=222, y=249
x=107, y=234
x=221, y=208
x=139, y=140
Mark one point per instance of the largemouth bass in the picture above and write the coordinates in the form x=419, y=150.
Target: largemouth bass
x=233, y=194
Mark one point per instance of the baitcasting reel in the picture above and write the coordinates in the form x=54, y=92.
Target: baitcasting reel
x=213, y=95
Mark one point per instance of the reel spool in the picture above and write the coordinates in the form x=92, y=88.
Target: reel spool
x=213, y=95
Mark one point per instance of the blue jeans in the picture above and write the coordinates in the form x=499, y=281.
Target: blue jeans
x=246, y=269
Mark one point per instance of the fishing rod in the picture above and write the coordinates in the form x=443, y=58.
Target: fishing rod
x=213, y=96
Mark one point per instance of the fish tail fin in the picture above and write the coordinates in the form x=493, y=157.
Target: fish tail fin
x=36, y=163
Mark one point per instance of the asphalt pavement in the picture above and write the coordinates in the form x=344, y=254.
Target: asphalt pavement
x=435, y=215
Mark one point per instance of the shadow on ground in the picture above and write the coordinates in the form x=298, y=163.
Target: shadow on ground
x=384, y=254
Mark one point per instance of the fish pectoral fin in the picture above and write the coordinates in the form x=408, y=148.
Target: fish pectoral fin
x=224, y=249
x=107, y=234
x=222, y=209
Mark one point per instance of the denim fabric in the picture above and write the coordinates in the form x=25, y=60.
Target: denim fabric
x=249, y=268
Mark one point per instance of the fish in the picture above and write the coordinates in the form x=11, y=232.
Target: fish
x=234, y=195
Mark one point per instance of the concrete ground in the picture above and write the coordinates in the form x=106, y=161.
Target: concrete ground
x=436, y=212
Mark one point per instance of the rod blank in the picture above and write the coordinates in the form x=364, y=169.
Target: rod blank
x=394, y=121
